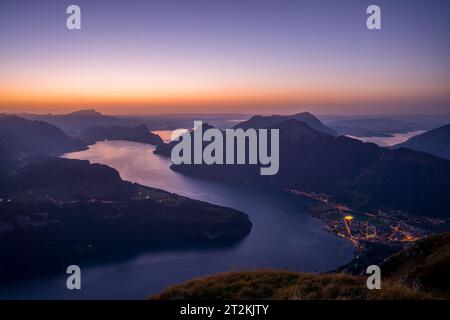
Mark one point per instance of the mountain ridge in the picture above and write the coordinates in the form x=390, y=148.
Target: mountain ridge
x=39, y=137
x=435, y=141
x=136, y=134
x=360, y=174
x=261, y=122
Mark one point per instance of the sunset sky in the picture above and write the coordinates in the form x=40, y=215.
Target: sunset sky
x=219, y=56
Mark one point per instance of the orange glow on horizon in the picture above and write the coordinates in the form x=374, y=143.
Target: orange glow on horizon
x=42, y=99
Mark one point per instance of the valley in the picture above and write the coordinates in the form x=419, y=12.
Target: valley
x=114, y=182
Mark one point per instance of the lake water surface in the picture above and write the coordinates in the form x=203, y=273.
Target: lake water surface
x=283, y=235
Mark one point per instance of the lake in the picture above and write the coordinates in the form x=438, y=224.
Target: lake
x=283, y=235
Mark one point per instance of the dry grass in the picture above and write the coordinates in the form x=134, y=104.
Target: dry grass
x=424, y=266
x=281, y=285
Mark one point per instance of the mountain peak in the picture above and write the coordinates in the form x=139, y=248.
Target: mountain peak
x=293, y=128
x=304, y=114
x=85, y=113
x=259, y=122
x=12, y=117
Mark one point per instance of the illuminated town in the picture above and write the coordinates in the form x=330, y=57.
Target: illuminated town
x=384, y=227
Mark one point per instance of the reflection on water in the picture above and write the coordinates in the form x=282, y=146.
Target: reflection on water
x=390, y=141
x=282, y=236
x=166, y=135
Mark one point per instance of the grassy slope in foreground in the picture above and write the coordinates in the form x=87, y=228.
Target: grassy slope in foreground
x=285, y=285
x=418, y=272
x=425, y=265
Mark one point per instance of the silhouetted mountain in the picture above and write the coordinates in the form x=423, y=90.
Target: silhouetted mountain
x=65, y=180
x=75, y=122
x=362, y=175
x=136, y=134
x=165, y=148
x=9, y=152
x=81, y=120
x=436, y=141
x=261, y=122
x=35, y=137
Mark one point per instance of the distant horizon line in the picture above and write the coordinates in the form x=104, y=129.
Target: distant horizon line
x=226, y=113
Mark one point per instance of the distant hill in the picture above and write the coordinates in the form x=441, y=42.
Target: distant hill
x=65, y=180
x=260, y=122
x=75, y=122
x=419, y=272
x=80, y=120
x=359, y=174
x=86, y=113
x=436, y=141
x=136, y=134
x=384, y=127
x=35, y=137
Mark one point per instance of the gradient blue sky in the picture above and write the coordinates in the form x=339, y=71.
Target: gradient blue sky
x=274, y=56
